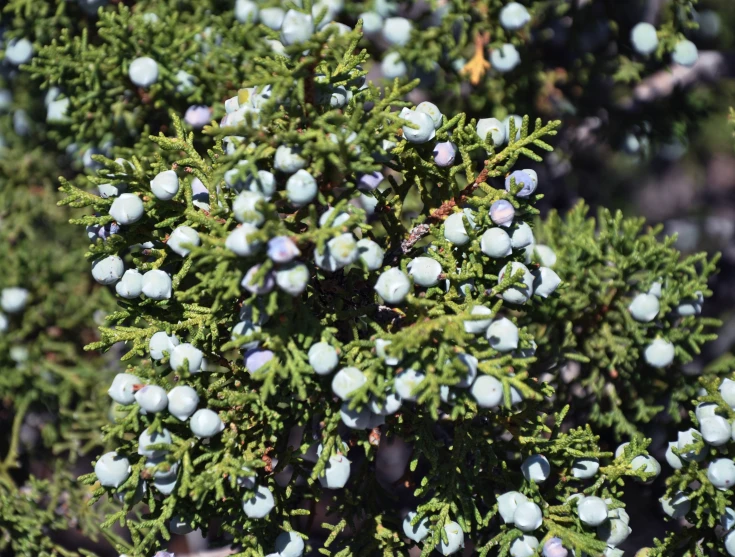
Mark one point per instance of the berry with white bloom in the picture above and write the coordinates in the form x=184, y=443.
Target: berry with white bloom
x=691, y=307
x=301, y=188
x=554, y=548
x=585, y=467
x=256, y=359
x=254, y=283
x=678, y=506
x=502, y=335
x=112, y=470
x=19, y=51
x=421, y=127
x=370, y=253
x=162, y=344
x=455, y=539
x=397, y=30
x=387, y=407
x=108, y=270
x=454, y=227
x=336, y=473
x=727, y=390
x=292, y=278
x=272, y=17
x=260, y=504
x=182, y=402
x=477, y=326
x=525, y=546
x=392, y=66
x=121, y=390
x=487, y=391
x=288, y=159
x=418, y=531
x=425, y=271
x=491, y=126
x=165, y=472
x=346, y=381
x=406, y=384
x=444, y=153
x=660, y=353
x=687, y=438
x=130, y=285
x=323, y=358
x=186, y=353
x=297, y=27
x=528, y=516
x=343, y=249
x=354, y=419
x=13, y=299
x=536, y=468
x=496, y=243
x=673, y=460
x=369, y=181
x=146, y=440
x=524, y=179
x=432, y=110
x=502, y=212
x=644, y=308
x=205, y=423
x=289, y=544
x=716, y=430
x=592, y=511
x=152, y=398
x=245, y=208
x=165, y=185
x=143, y=71
x=730, y=544
x=522, y=236
x=646, y=464
x=183, y=239
x=727, y=520
x=685, y=53
x=519, y=293
x=505, y=58
x=721, y=473
x=157, y=284
x=246, y=11
x=508, y=503
x=393, y=286
x=545, y=282
x=470, y=364
x=127, y=209
x=514, y=16
x=644, y=38
x=613, y=531
x=241, y=242
x=372, y=22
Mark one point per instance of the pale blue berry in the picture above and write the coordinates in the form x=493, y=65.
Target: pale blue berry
x=182, y=402
x=292, y=278
x=165, y=185
x=521, y=178
x=339, y=219
x=518, y=123
x=387, y=407
x=241, y=241
x=288, y=159
x=520, y=292
x=673, y=460
x=528, y=516
x=245, y=208
x=536, y=468
x=108, y=270
x=545, y=282
x=660, y=353
x=585, y=467
x=444, y=153
x=646, y=464
x=407, y=383
x=372, y=22
x=301, y=188
x=685, y=53
x=496, y=243
x=343, y=249
x=205, y=423
x=272, y=17
x=323, y=358
x=151, y=399
x=380, y=350
x=727, y=391
x=730, y=544
x=716, y=430
x=721, y=473
x=644, y=38
x=111, y=190
x=470, y=363
x=246, y=11
x=183, y=239
x=525, y=546
x=143, y=71
x=425, y=271
x=508, y=503
x=502, y=212
x=369, y=181
x=165, y=472
x=491, y=126
x=112, y=470
x=514, y=16
x=477, y=326
x=261, y=503
x=157, y=284
x=432, y=111
x=392, y=66
x=186, y=352
x=147, y=440
x=691, y=307
x=297, y=27
x=121, y=390
x=130, y=285
x=289, y=544
x=455, y=539
x=282, y=249
x=260, y=286
x=397, y=30
x=162, y=344
x=686, y=439
x=421, y=128
x=127, y=208
x=487, y=391
x=505, y=58
x=592, y=511
x=644, y=308
x=165, y=486
x=522, y=236
x=14, y=299
x=727, y=520
x=545, y=255
x=336, y=472
x=370, y=253
x=554, y=548
x=393, y=286
x=256, y=358
x=454, y=227
x=417, y=532
x=676, y=507
x=502, y=335
x=346, y=381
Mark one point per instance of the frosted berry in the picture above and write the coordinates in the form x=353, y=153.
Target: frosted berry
x=288, y=159
x=370, y=253
x=660, y=353
x=727, y=390
x=13, y=299
x=469, y=362
x=522, y=236
x=517, y=122
x=336, y=472
x=165, y=486
x=246, y=11
x=686, y=439
x=289, y=544
x=198, y=116
x=182, y=239
x=339, y=219
x=727, y=520
x=455, y=539
x=678, y=506
x=491, y=126
x=182, y=402
x=646, y=464
x=143, y=71
x=354, y=419
x=246, y=208
x=343, y=249
x=536, y=468
x=454, y=227
x=380, y=346
x=256, y=359
x=152, y=398
x=297, y=27
x=323, y=358
x=432, y=111
x=369, y=181
x=545, y=255
x=644, y=308
x=127, y=209
x=425, y=271
x=346, y=381
x=301, y=188
x=111, y=190
x=372, y=22
x=387, y=407
x=528, y=516
x=592, y=511
x=487, y=391
x=525, y=546
x=444, y=153
x=263, y=182
x=165, y=472
x=554, y=548
x=130, y=285
x=393, y=286
x=260, y=504
x=112, y=470
x=545, y=282
x=477, y=326
x=613, y=531
x=421, y=128
x=496, y=243
x=108, y=270
x=165, y=185
x=520, y=292
x=523, y=179
x=257, y=283
x=397, y=30
x=162, y=344
x=241, y=240
x=730, y=544
x=585, y=467
x=502, y=212
x=417, y=532
x=644, y=38
x=508, y=503
x=324, y=260
x=121, y=390
x=505, y=58
x=406, y=384
x=292, y=278
x=157, y=284
x=673, y=459
x=716, y=430
x=502, y=335
x=691, y=307
x=272, y=17
x=19, y=51
x=392, y=66
x=205, y=423
x=146, y=440
x=186, y=352
x=685, y=53
x=721, y=473
x=514, y=16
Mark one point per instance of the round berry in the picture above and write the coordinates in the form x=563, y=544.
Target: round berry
x=151, y=398
x=182, y=402
x=406, y=384
x=256, y=283
x=372, y=22
x=687, y=438
x=730, y=544
x=691, y=307
x=677, y=506
x=502, y=213
x=521, y=178
x=505, y=58
x=336, y=473
x=182, y=239
x=289, y=544
x=112, y=470
x=673, y=460
x=380, y=346
x=487, y=391
x=246, y=11
x=354, y=419
x=644, y=308
x=536, y=468
x=297, y=27
x=716, y=430
x=127, y=209
x=13, y=299
x=387, y=407
x=525, y=546
x=508, y=503
x=685, y=53
x=392, y=66
x=245, y=208
x=416, y=532
x=644, y=38
x=205, y=423
x=157, y=285
x=514, y=16
x=146, y=440
x=425, y=271
x=660, y=353
x=519, y=293
x=346, y=381
x=518, y=123
x=421, y=127
x=108, y=270
x=554, y=548
x=186, y=353
x=477, y=326
x=397, y=30
x=502, y=335
x=455, y=539
x=121, y=390
x=369, y=181
x=165, y=472
x=241, y=241
x=585, y=467
x=454, y=228
x=469, y=362
x=162, y=344
x=292, y=278
x=721, y=473
x=272, y=17
x=496, y=243
x=393, y=286
x=613, y=531
x=522, y=236
x=592, y=511
x=257, y=358
x=491, y=126
x=727, y=520
x=646, y=464
x=343, y=249
x=288, y=159
x=444, y=153
x=370, y=253
x=165, y=185
x=545, y=282
x=143, y=71
x=260, y=504
x=130, y=285
x=528, y=516
x=323, y=358
x=301, y=188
